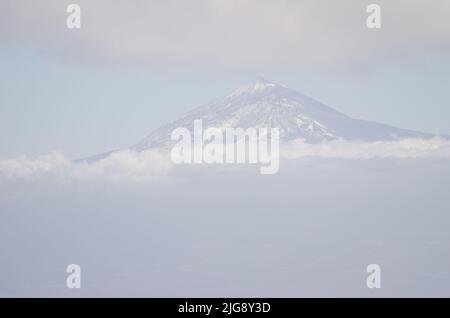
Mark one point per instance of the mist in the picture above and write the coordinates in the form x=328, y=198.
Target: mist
x=208, y=231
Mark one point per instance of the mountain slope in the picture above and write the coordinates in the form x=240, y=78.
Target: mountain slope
x=266, y=104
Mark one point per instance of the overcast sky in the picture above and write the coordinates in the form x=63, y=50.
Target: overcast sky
x=137, y=64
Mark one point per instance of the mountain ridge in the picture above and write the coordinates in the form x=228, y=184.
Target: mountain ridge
x=267, y=104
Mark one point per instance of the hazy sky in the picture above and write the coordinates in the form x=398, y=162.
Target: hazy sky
x=137, y=64
x=139, y=225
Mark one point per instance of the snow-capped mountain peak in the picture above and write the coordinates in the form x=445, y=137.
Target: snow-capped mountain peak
x=266, y=104
x=258, y=86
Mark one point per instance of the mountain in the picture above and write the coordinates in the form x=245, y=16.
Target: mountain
x=266, y=104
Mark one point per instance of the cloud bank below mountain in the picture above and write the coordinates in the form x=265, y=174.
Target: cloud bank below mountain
x=404, y=148
x=117, y=167
x=155, y=165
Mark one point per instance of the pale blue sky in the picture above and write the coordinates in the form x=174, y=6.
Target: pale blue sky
x=53, y=100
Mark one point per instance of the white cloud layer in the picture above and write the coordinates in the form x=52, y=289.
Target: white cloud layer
x=154, y=165
x=405, y=148
x=120, y=166
x=229, y=33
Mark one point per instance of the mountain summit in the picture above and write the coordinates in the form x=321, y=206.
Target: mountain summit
x=266, y=104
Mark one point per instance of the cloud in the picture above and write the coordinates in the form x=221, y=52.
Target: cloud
x=123, y=166
x=229, y=33
x=156, y=166
x=405, y=148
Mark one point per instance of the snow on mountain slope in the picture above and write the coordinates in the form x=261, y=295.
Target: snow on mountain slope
x=266, y=104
